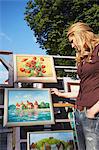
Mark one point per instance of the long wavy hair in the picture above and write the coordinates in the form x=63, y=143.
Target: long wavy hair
x=86, y=40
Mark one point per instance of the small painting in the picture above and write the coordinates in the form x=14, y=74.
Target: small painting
x=27, y=106
x=71, y=85
x=34, y=68
x=50, y=140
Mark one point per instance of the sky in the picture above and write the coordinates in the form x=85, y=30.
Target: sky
x=66, y=136
x=15, y=35
x=30, y=95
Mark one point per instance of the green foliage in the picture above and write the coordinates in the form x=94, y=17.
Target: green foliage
x=50, y=141
x=44, y=105
x=47, y=105
x=49, y=20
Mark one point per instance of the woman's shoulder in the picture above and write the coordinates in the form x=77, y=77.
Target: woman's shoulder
x=95, y=55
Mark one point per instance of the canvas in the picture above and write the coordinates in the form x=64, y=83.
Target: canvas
x=34, y=68
x=26, y=106
x=51, y=140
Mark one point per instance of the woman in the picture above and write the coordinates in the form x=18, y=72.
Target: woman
x=86, y=44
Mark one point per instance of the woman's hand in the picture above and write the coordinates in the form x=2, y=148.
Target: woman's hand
x=55, y=91
x=90, y=113
x=93, y=110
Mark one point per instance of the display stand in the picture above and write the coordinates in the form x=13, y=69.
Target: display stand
x=17, y=136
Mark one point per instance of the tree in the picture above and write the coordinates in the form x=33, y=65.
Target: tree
x=50, y=19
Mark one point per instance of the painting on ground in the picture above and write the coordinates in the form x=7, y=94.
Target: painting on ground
x=53, y=140
x=34, y=68
x=26, y=106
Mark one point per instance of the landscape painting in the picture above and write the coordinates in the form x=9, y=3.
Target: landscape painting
x=34, y=68
x=50, y=140
x=27, y=106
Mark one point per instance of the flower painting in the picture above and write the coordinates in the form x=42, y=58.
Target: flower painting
x=51, y=140
x=27, y=107
x=34, y=68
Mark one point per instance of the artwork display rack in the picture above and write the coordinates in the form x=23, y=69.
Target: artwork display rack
x=17, y=136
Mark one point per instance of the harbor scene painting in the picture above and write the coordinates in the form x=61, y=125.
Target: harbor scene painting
x=28, y=107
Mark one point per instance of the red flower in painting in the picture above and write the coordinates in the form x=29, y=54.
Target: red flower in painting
x=27, y=71
x=22, y=69
x=34, y=58
x=33, y=66
x=24, y=59
x=43, y=71
x=43, y=66
x=41, y=58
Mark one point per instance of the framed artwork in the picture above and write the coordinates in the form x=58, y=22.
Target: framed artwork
x=53, y=140
x=26, y=106
x=6, y=75
x=71, y=85
x=34, y=68
x=3, y=75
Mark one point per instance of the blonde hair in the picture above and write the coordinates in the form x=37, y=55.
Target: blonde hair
x=86, y=40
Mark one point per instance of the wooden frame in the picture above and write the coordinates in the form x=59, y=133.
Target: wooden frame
x=34, y=68
x=26, y=106
x=55, y=140
x=71, y=85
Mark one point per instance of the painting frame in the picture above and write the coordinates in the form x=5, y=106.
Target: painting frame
x=71, y=85
x=60, y=135
x=6, y=72
x=45, y=74
x=16, y=110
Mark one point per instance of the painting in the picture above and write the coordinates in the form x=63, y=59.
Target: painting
x=26, y=106
x=3, y=74
x=71, y=85
x=34, y=68
x=6, y=75
x=51, y=140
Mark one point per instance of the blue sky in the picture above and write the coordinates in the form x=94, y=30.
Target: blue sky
x=22, y=96
x=66, y=136
x=15, y=35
